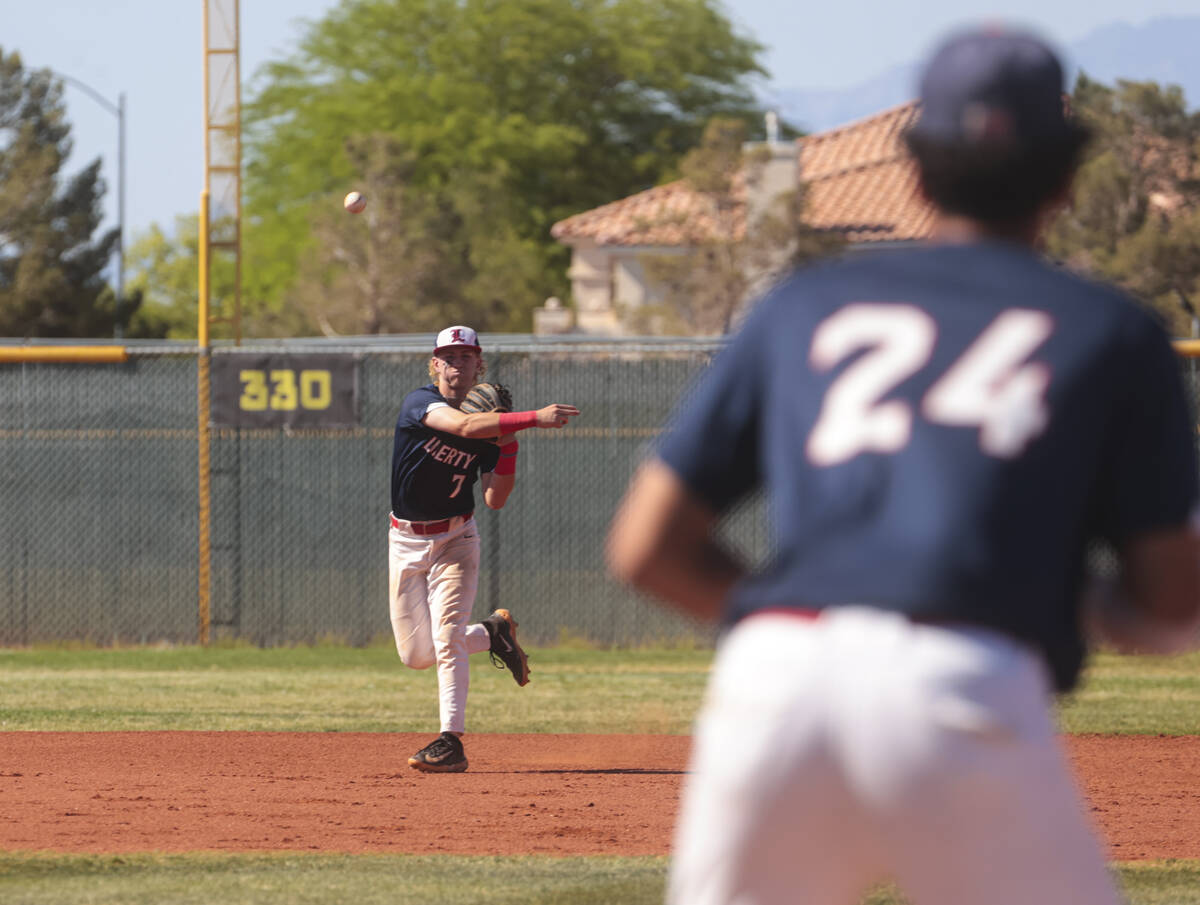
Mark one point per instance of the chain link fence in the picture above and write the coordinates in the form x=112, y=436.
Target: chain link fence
x=99, y=538
x=98, y=532
x=101, y=530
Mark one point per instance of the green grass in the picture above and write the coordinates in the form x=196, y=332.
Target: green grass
x=257, y=879
x=328, y=688
x=1143, y=882
x=1162, y=882
x=322, y=689
x=336, y=688
x=1139, y=695
x=202, y=879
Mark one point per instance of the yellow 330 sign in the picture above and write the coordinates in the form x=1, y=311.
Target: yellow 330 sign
x=256, y=390
x=285, y=390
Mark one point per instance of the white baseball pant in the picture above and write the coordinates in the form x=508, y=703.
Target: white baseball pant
x=858, y=747
x=432, y=581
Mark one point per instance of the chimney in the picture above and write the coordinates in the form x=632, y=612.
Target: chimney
x=773, y=167
x=772, y=128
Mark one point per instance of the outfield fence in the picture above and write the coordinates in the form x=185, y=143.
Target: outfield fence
x=100, y=534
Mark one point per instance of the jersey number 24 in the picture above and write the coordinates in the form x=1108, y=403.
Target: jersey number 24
x=992, y=386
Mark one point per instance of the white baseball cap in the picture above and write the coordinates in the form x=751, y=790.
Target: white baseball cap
x=457, y=336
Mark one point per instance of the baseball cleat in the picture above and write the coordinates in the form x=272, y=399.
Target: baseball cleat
x=505, y=651
x=443, y=755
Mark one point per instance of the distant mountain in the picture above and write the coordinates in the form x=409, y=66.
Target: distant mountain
x=1162, y=50
x=818, y=110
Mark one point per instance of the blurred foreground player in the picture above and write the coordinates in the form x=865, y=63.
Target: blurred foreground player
x=433, y=544
x=939, y=430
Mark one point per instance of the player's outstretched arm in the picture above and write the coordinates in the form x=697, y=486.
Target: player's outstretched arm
x=555, y=415
x=1156, y=606
x=486, y=425
x=661, y=542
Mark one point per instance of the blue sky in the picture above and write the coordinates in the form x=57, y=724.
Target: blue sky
x=150, y=50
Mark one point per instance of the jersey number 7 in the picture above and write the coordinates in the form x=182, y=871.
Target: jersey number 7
x=992, y=386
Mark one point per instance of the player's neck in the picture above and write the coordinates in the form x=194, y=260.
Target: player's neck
x=952, y=229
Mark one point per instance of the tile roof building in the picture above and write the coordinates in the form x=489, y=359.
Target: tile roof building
x=859, y=181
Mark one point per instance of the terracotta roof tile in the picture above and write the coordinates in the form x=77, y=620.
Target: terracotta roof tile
x=860, y=183
x=666, y=215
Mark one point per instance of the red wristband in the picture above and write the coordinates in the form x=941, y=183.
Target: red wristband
x=510, y=449
x=510, y=422
x=507, y=463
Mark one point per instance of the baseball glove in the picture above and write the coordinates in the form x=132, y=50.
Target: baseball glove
x=487, y=397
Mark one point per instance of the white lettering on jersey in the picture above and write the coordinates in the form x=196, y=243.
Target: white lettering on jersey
x=444, y=452
x=991, y=386
x=899, y=340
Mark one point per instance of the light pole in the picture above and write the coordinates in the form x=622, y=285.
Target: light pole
x=118, y=110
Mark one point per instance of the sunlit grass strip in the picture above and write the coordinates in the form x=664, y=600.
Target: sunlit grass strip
x=201, y=879
x=342, y=689
x=1136, y=695
x=574, y=689
x=258, y=879
x=1171, y=882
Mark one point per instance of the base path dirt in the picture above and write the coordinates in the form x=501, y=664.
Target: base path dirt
x=542, y=794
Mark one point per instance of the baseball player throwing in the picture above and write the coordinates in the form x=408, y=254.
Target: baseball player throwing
x=438, y=454
x=940, y=430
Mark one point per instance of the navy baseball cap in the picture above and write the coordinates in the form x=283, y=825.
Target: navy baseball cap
x=993, y=86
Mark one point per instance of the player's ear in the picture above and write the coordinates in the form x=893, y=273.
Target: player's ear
x=922, y=188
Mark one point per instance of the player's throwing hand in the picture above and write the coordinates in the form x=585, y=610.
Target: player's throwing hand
x=555, y=415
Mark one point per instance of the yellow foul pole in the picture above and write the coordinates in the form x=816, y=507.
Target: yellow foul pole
x=220, y=240
x=203, y=401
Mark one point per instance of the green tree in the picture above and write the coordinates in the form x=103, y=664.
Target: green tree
x=51, y=268
x=164, y=270
x=387, y=269
x=729, y=257
x=1134, y=216
x=509, y=116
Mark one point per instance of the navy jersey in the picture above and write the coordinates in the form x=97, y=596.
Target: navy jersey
x=942, y=431
x=434, y=473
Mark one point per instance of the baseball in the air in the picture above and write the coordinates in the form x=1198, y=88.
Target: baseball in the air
x=355, y=202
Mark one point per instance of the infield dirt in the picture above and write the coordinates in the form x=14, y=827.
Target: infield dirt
x=536, y=794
